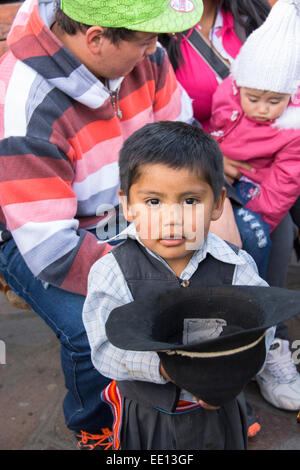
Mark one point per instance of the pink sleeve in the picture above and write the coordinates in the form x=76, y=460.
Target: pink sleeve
x=281, y=186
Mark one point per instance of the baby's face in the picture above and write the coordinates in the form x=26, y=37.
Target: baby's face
x=263, y=105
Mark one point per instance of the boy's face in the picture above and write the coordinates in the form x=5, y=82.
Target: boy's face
x=172, y=210
x=263, y=105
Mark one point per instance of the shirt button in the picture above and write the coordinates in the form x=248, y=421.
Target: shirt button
x=185, y=283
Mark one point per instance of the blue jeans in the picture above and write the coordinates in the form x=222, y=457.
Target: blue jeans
x=255, y=237
x=62, y=311
x=254, y=231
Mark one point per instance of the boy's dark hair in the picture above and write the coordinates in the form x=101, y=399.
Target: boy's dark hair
x=175, y=144
x=69, y=26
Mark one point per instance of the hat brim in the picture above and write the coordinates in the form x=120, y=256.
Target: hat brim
x=144, y=325
x=217, y=369
x=171, y=20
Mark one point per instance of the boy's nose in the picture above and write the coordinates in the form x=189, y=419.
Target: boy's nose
x=172, y=214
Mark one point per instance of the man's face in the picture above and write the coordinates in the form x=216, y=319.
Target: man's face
x=118, y=60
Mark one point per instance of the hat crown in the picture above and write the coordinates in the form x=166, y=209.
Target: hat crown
x=156, y=16
x=115, y=12
x=270, y=57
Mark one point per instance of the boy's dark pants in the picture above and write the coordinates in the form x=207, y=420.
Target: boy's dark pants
x=149, y=429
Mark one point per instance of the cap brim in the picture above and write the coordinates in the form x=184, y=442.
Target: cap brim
x=139, y=325
x=171, y=20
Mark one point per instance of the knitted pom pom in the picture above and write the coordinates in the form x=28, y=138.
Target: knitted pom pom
x=270, y=57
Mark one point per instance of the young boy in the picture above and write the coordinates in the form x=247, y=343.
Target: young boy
x=172, y=180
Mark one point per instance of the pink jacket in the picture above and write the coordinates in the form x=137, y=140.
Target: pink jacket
x=272, y=148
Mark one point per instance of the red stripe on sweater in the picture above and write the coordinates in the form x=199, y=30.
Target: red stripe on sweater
x=88, y=253
x=91, y=135
x=29, y=43
x=164, y=96
x=138, y=100
x=16, y=191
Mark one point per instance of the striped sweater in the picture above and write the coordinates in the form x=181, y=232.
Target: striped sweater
x=60, y=137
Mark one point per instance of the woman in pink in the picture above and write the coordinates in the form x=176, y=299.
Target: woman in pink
x=224, y=26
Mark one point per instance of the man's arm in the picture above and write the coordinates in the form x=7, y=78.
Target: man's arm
x=40, y=208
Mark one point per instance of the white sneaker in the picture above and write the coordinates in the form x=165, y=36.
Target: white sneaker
x=279, y=381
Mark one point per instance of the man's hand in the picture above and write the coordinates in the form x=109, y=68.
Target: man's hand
x=232, y=169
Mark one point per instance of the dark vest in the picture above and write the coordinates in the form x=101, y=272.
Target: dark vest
x=146, y=275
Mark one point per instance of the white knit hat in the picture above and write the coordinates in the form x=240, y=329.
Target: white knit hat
x=270, y=57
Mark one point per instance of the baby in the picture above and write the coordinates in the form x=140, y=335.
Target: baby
x=256, y=114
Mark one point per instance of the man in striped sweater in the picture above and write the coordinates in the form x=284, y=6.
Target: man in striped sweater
x=78, y=79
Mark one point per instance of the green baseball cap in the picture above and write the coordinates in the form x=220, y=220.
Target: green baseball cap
x=152, y=16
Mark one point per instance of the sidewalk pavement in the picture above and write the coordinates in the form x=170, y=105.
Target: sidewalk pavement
x=32, y=388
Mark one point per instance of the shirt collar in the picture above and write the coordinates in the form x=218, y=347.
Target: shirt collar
x=213, y=245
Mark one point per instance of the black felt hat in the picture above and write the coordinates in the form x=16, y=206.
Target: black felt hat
x=211, y=340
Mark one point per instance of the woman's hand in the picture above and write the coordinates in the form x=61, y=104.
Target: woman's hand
x=232, y=169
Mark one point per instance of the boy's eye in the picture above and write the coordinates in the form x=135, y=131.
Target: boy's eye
x=153, y=202
x=191, y=200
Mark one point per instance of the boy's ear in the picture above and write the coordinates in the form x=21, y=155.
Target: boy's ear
x=125, y=205
x=219, y=205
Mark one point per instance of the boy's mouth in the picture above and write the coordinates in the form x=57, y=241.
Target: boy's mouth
x=173, y=240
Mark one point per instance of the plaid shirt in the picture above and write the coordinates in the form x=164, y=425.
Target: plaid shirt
x=107, y=289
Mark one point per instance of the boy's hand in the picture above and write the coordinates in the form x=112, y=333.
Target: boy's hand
x=206, y=405
x=163, y=373
x=232, y=169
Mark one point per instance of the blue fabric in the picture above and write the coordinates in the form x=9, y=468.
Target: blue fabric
x=62, y=311
x=245, y=190
x=254, y=231
x=255, y=236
